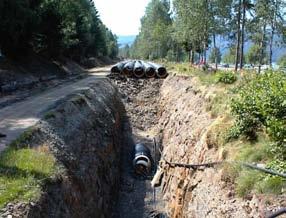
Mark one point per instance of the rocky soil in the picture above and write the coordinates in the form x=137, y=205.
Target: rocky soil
x=141, y=97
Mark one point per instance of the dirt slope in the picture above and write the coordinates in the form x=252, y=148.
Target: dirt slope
x=187, y=137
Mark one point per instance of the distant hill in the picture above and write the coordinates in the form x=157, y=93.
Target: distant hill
x=125, y=40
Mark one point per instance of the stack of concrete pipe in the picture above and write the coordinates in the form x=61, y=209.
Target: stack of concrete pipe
x=140, y=69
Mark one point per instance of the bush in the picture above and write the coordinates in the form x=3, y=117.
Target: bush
x=261, y=104
x=226, y=77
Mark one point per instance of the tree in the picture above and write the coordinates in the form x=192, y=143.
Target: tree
x=246, y=6
x=276, y=22
x=230, y=56
x=125, y=51
x=197, y=21
x=254, y=54
x=215, y=56
x=153, y=40
x=238, y=32
x=53, y=28
x=192, y=33
x=18, y=20
x=220, y=11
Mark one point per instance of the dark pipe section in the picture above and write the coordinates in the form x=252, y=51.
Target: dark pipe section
x=118, y=67
x=128, y=68
x=161, y=71
x=149, y=70
x=277, y=213
x=138, y=69
x=142, y=161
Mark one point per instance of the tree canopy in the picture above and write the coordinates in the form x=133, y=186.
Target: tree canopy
x=192, y=27
x=54, y=27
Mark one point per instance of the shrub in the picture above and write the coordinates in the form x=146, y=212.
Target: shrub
x=226, y=77
x=261, y=104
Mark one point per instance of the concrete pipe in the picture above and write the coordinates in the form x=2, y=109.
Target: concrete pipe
x=161, y=71
x=128, y=68
x=138, y=69
x=142, y=160
x=150, y=71
x=118, y=67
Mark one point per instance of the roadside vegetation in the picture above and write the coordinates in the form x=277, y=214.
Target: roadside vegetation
x=252, y=129
x=23, y=172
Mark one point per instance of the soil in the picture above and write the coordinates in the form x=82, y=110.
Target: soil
x=137, y=198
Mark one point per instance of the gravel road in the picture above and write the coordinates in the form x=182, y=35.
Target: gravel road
x=16, y=118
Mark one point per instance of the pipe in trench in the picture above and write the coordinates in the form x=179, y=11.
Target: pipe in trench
x=142, y=161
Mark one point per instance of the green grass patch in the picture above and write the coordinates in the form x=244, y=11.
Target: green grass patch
x=23, y=172
x=246, y=181
x=219, y=104
x=205, y=76
x=186, y=69
x=49, y=115
x=255, y=152
x=249, y=181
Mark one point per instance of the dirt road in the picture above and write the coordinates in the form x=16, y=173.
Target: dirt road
x=16, y=118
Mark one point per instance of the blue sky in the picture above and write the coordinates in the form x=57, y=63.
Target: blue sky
x=122, y=16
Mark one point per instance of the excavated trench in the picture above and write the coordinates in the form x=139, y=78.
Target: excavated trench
x=174, y=111
x=92, y=134
x=136, y=196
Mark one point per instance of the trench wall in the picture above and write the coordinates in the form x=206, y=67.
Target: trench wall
x=187, y=137
x=84, y=133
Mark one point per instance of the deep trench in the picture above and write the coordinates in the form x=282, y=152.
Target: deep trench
x=136, y=196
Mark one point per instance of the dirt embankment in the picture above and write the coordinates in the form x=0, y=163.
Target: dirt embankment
x=84, y=133
x=32, y=74
x=187, y=137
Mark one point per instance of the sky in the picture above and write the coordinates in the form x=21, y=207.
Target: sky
x=122, y=16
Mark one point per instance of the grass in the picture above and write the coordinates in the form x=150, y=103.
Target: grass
x=251, y=181
x=246, y=181
x=26, y=136
x=49, y=115
x=206, y=77
x=23, y=172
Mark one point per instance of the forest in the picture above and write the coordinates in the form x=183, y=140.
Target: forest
x=52, y=28
x=186, y=29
